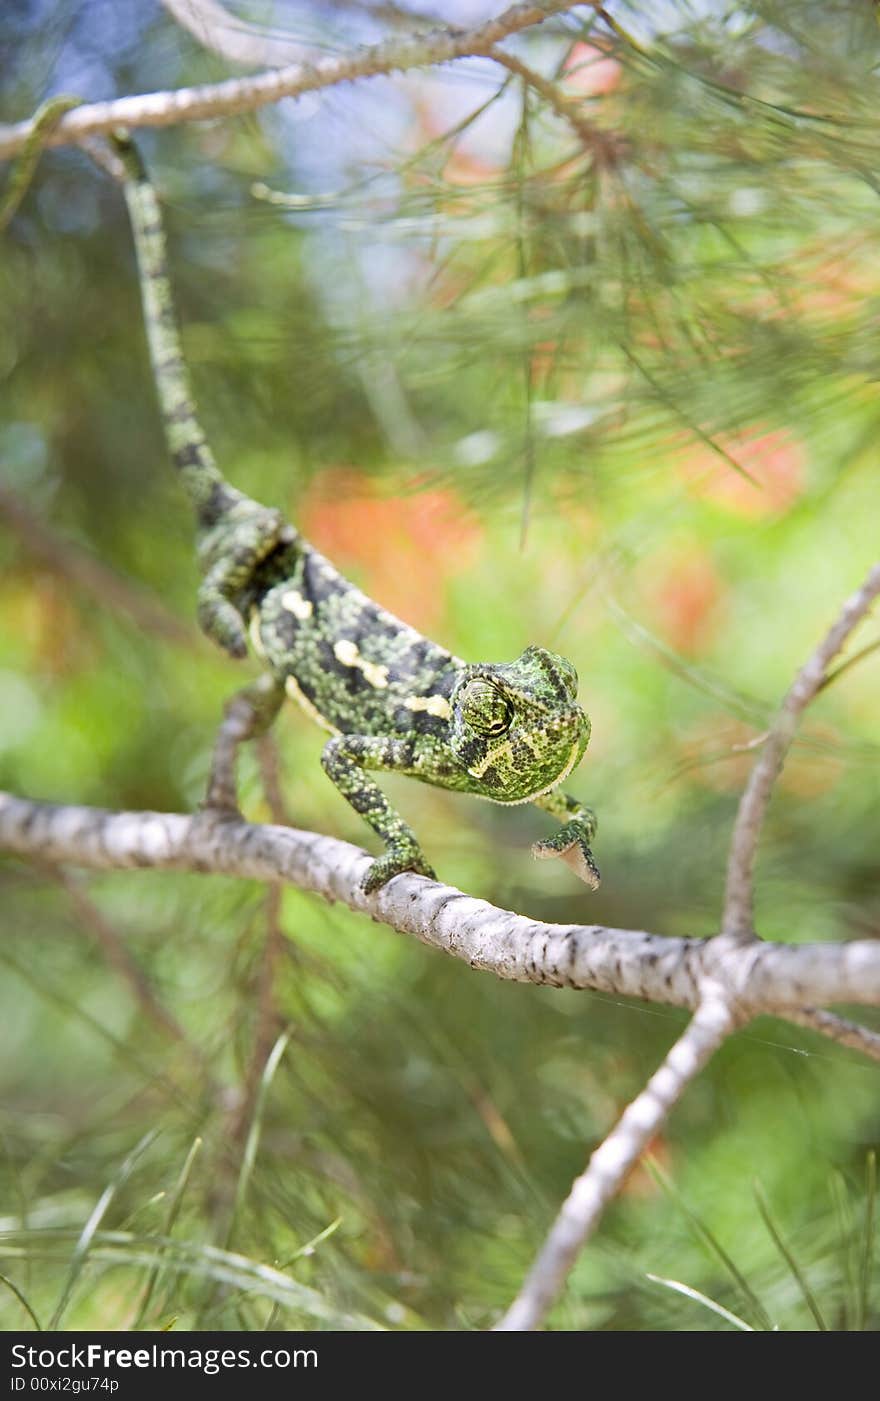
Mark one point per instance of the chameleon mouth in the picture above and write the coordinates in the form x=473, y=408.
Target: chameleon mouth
x=572, y=760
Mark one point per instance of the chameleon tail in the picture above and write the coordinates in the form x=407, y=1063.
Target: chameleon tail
x=210, y=494
x=235, y=534
x=43, y=123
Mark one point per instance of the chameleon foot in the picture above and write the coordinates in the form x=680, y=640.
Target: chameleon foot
x=395, y=861
x=574, y=850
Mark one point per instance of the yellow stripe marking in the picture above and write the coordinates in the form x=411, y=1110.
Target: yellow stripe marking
x=489, y=758
x=347, y=653
x=254, y=633
x=291, y=686
x=434, y=705
x=294, y=602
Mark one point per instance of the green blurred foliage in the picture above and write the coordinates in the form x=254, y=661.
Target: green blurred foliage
x=623, y=405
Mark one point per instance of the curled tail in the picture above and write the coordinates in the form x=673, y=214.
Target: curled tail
x=235, y=533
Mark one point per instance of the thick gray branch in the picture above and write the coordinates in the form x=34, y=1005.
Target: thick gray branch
x=738, y=916
x=613, y=1160
x=246, y=94
x=756, y=978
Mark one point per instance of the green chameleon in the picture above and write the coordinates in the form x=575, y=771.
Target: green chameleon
x=391, y=699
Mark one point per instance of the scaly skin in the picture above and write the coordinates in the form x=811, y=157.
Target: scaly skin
x=391, y=699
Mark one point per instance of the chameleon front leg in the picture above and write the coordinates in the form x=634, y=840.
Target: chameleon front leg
x=248, y=714
x=345, y=759
x=572, y=841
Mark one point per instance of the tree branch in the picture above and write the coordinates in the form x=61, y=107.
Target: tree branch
x=840, y=1029
x=605, y=146
x=738, y=918
x=755, y=978
x=226, y=34
x=613, y=1160
x=237, y=95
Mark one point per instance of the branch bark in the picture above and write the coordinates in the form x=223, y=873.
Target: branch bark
x=756, y=978
x=839, y=1029
x=235, y=95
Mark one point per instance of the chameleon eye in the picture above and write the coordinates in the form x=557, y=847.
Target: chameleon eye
x=484, y=708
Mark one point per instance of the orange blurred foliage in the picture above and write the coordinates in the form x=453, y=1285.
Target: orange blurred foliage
x=774, y=460
x=589, y=72
x=683, y=592
x=404, y=548
x=463, y=166
x=718, y=753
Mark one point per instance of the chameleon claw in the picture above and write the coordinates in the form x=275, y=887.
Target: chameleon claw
x=575, y=853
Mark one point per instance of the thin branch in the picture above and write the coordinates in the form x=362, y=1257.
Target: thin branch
x=757, y=977
x=226, y=34
x=613, y=1160
x=604, y=145
x=850, y=661
x=738, y=915
x=840, y=1029
x=237, y=95
x=388, y=12
x=117, y=954
x=76, y=566
x=230, y=37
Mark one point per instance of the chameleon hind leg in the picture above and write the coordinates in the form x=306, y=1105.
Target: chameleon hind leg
x=572, y=841
x=247, y=715
x=345, y=759
x=229, y=553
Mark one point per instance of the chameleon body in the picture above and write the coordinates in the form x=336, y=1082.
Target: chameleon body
x=390, y=699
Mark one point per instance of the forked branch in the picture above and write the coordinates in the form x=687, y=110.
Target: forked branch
x=236, y=95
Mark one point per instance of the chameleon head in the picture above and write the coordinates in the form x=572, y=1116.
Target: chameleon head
x=517, y=729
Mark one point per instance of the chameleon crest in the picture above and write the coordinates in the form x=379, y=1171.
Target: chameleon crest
x=391, y=699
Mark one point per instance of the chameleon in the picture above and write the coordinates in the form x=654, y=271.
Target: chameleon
x=390, y=699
